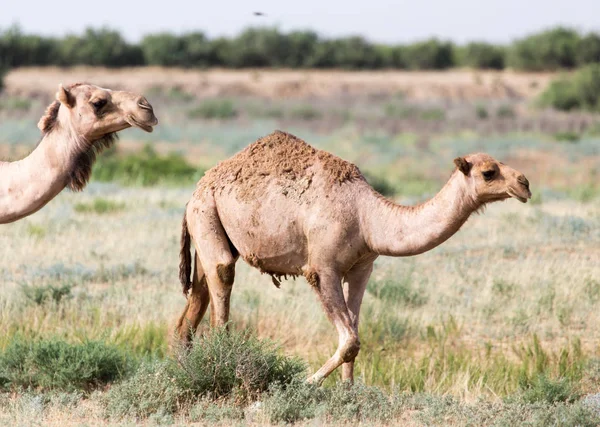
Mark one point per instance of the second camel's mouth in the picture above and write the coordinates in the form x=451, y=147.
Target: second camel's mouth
x=135, y=123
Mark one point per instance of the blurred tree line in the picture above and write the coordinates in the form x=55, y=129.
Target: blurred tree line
x=558, y=48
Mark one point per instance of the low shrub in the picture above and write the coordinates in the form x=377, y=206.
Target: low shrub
x=214, y=109
x=221, y=365
x=56, y=364
x=146, y=168
x=578, y=91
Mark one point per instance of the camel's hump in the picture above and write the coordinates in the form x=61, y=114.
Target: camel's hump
x=277, y=155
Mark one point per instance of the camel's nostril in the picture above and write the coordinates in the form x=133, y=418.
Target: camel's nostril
x=144, y=104
x=523, y=181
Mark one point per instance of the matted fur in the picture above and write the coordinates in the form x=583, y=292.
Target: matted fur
x=81, y=166
x=280, y=156
x=86, y=151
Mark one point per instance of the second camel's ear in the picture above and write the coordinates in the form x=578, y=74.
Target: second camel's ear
x=462, y=165
x=65, y=97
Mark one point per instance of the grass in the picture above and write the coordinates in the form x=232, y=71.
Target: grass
x=234, y=365
x=214, y=109
x=146, y=168
x=99, y=206
x=480, y=331
x=48, y=364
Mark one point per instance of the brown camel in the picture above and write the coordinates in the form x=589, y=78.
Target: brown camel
x=290, y=209
x=81, y=122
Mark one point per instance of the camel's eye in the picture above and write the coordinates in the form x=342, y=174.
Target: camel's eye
x=99, y=103
x=489, y=174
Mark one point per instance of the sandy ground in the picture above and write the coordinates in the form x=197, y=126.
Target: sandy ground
x=453, y=84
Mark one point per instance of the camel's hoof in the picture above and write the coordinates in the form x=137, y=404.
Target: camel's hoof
x=316, y=380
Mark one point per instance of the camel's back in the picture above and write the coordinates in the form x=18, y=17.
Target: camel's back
x=279, y=159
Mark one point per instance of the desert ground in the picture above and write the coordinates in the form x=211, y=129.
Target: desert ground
x=497, y=326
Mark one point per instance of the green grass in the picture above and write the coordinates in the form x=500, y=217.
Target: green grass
x=214, y=109
x=99, y=206
x=15, y=104
x=146, y=168
x=220, y=365
x=48, y=364
x=40, y=294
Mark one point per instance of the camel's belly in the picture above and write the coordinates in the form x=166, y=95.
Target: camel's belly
x=268, y=236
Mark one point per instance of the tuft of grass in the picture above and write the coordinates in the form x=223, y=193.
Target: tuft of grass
x=146, y=168
x=305, y=112
x=433, y=114
x=398, y=291
x=544, y=389
x=56, y=364
x=99, y=206
x=343, y=402
x=481, y=112
x=36, y=231
x=225, y=363
x=505, y=112
x=38, y=295
x=214, y=109
x=220, y=365
x=567, y=136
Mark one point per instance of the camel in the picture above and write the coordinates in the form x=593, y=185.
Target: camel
x=80, y=123
x=289, y=209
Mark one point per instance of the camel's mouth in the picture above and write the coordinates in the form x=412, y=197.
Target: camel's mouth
x=523, y=199
x=144, y=126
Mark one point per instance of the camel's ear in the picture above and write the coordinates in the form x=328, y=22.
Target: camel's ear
x=462, y=165
x=65, y=97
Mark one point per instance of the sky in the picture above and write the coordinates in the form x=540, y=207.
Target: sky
x=400, y=21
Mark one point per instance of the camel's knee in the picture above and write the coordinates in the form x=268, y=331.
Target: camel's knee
x=226, y=273
x=350, y=349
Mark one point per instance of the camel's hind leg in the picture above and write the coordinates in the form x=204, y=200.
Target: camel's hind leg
x=216, y=255
x=195, y=307
x=355, y=284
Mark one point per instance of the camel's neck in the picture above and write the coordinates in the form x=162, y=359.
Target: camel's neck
x=27, y=185
x=396, y=230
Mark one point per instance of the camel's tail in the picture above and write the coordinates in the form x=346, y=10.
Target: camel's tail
x=185, y=258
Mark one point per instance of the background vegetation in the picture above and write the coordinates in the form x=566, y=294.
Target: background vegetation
x=553, y=49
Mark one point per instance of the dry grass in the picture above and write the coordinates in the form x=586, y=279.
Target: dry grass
x=453, y=84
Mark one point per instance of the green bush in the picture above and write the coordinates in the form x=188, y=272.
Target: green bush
x=579, y=91
x=482, y=112
x=342, y=403
x=549, y=50
x=214, y=109
x=39, y=295
x=218, y=366
x=56, y=364
x=482, y=56
x=544, y=389
x=146, y=168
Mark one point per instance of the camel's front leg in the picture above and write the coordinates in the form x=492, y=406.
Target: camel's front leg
x=355, y=283
x=328, y=285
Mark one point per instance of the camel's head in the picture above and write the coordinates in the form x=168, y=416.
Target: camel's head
x=491, y=180
x=94, y=112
